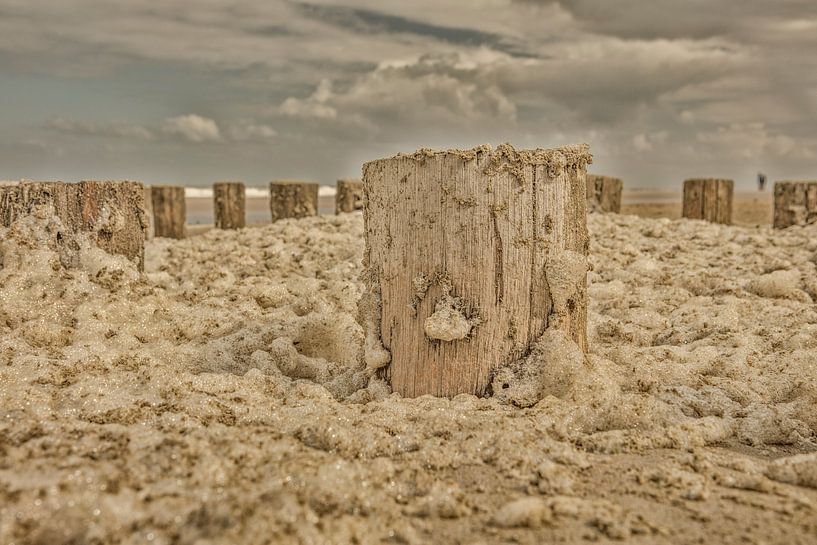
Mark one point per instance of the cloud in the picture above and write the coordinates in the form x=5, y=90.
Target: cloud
x=428, y=90
x=313, y=106
x=648, y=141
x=112, y=129
x=600, y=82
x=755, y=140
x=643, y=82
x=249, y=130
x=190, y=128
x=193, y=128
x=370, y=21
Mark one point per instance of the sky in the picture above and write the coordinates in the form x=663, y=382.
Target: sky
x=190, y=93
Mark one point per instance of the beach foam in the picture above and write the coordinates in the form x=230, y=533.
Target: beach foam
x=221, y=396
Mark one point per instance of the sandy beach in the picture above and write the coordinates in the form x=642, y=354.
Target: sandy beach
x=219, y=398
x=751, y=208
x=200, y=209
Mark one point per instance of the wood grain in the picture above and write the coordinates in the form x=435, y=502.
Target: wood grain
x=708, y=199
x=795, y=203
x=604, y=193
x=293, y=199
x=470, y=239
x=229, y=205
x=348, y=196
x=169, y=211
x=110, y=213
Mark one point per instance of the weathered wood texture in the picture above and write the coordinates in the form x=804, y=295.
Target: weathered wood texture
x=795, y=203
x=229, y=205
x=9, y=197
x=149, y=232
x=292, y=199
x=604, y=193
x=114, y=214
x=709, y=200
x=470, y=256
x=348, y=196
x=110, y=213
x=169, y=211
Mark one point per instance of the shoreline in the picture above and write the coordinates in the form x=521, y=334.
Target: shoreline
x=751, y=208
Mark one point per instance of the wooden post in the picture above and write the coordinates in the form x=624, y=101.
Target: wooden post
x=229, y=205
x=604, y=193
x=113, y=213
x=795, y=203
x=20, y=198
x=348, y=196
x=149, y=230
x=292, y=199
x=169, y=211
x=9, y=197
x=470, y=256
x=709, y=200
x=110, y=213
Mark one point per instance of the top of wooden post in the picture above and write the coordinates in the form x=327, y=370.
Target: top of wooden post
x=293, y=182
x=602, y=177
x=556, y=159
x=783, y=183
x=721, y=180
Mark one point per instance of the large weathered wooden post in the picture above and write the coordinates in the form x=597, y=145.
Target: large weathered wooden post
x=169, y=211
x=110, y=213
x=229, y=205
x=470, y=256
x=795, y=203
x=348, y=196
x=604, y=193
x=292, y=199
x=709, y=200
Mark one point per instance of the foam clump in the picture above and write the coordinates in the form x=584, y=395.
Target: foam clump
x=550, y=370
x=447, y=324
x=782, y=284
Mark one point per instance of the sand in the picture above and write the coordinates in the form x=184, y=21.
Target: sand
x=219, y=398
x=200, y=210
x=751, y=208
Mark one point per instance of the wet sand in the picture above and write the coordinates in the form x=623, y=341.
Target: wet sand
x=200, y=210
x=753, y=208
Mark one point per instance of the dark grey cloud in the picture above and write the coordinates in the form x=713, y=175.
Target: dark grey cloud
x=376, y=22
x=672, y=19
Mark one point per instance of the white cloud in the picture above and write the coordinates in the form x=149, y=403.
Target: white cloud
x=112, y=129
x=432, y=89
x=313, y=106
x=192, y=127
x=248, y=130
x=648, y=141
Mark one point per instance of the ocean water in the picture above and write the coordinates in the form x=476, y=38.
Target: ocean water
x=257, y=204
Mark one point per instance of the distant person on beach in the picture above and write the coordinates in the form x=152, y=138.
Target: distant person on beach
x=761, y=181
